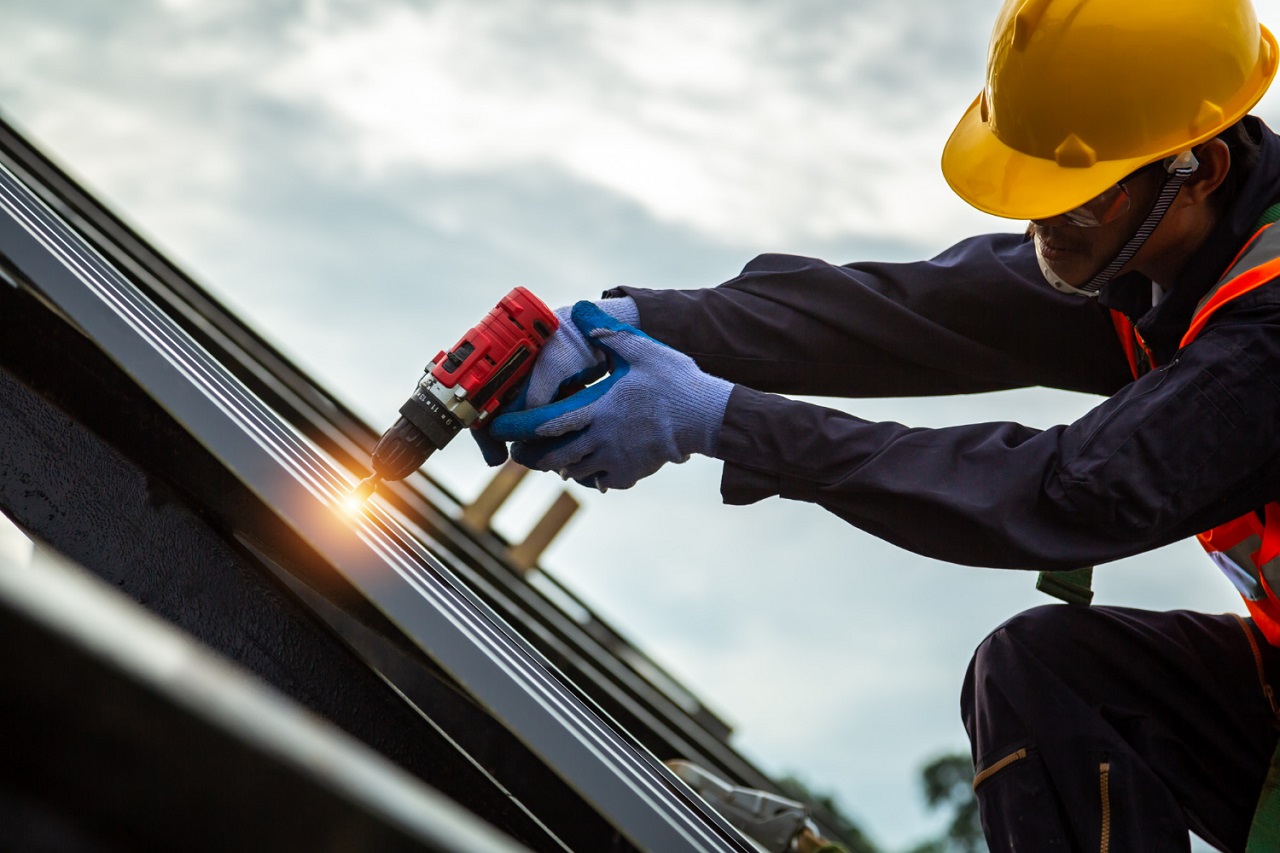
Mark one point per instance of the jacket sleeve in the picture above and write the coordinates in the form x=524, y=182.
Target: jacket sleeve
x=979, y=317
x=1181, y=450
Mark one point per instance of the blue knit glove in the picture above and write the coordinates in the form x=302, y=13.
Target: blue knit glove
x=655, y=406
x=566, y=360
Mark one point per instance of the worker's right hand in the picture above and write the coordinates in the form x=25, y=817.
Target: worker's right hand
x=566, y=362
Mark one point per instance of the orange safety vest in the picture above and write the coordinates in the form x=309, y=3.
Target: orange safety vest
x=1246, y=549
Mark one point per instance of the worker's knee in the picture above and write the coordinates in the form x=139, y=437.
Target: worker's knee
x=1032, y=639
x=1039, y=632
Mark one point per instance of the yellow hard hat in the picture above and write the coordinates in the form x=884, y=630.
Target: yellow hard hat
x=1080, y=93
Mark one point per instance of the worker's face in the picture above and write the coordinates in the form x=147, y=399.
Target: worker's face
x=1077, y=253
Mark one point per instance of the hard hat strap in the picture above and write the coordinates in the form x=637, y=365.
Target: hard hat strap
x=1179, y=170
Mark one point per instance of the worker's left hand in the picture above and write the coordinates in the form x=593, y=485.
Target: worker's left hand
x=567, y=361
x=655, y=406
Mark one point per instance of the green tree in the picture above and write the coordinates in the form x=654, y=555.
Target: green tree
x=948, y=784
x=828, y=811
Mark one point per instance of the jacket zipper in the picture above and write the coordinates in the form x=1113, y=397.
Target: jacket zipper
x=1104, y=785
x=991, y=770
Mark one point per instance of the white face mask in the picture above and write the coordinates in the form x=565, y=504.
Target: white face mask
x=1053, y=278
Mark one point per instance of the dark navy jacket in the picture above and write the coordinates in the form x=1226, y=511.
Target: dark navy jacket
x=1190, y=445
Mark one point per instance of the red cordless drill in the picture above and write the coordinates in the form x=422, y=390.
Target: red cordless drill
x=464, y=386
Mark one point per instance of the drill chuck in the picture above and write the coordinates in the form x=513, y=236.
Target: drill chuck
x=428, y=421
x=464, y=386
x=401, y=450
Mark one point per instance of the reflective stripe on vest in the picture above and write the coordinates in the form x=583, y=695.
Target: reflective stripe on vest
x=1246, y=549
x=1256, y=264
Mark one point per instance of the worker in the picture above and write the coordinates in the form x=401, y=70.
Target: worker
x=1121, y=130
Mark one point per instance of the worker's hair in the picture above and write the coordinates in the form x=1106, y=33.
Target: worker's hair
x=1245, y=153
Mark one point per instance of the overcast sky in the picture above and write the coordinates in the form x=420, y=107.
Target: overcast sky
x=362, y=180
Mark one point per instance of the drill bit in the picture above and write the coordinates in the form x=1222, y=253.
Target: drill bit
x=366, y=487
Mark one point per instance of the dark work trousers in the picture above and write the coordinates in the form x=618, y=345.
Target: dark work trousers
x=1106, y=728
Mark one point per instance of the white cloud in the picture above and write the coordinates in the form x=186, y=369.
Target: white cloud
x=681, y=107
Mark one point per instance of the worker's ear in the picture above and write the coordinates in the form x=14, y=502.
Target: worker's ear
x=1215, y=163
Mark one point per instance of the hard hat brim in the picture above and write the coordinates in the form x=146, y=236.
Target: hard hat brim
x=1002, y=181
x=1005, y=182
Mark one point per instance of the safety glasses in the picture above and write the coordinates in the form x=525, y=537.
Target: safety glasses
x=1107, y=206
